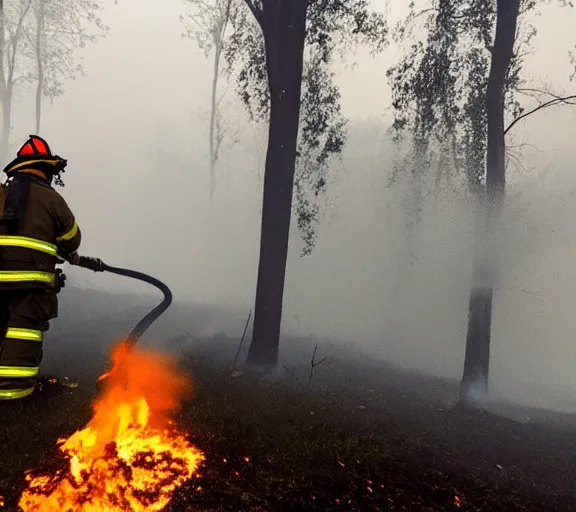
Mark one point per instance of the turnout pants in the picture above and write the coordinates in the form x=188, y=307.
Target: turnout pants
x=24, y=318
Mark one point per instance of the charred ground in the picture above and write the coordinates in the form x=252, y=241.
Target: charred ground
x=366, y=437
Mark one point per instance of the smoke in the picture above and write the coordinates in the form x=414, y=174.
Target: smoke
x=377, y=281
x=399, y=290
x=135, y=137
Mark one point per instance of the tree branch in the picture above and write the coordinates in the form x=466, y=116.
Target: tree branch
x=295, y=377
x=256, y=12
x=15, y=42
x=313, y=365
x=551, y=103
x=421, y=13
x=241, y=342
x=535, y=92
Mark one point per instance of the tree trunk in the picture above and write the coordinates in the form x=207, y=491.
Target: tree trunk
x=214, y=135
x=284, y=29
x=6, y=101
x=39, y=63
x=6, y=107
x=213, y=113
x=476, y=363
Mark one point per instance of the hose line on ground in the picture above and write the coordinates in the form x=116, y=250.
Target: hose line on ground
x=98, y=265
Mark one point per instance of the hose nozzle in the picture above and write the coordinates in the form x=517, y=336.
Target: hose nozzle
x=95, y=264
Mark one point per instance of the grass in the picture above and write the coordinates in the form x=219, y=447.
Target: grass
x=367, y=437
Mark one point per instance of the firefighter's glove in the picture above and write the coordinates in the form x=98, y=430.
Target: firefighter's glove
x=73, y=258
x=59, y=280
x=95, y=264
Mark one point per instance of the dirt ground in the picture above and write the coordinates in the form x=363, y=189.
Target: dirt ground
x=365, y=437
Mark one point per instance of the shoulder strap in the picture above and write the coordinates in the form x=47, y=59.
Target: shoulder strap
x=16, y=202
x=8, y=225
x=3, y=188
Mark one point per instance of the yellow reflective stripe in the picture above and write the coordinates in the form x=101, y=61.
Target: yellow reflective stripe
x=20, y=165
x=13, y=394
x=17, y=333
x=19, y=371
x=28, y=243
x=14, y=276
x=69, y=235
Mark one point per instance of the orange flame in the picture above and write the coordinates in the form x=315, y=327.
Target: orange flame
x=130, y=456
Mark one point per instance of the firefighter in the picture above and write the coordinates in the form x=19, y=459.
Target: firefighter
x=36, y=229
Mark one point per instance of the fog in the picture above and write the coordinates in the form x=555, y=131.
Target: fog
x=134, y=132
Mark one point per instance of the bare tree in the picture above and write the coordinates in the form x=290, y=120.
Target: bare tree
x=207, y=25
x=38, y=43
x=40, y=39
x=3, y=85
x=59, y=29
x=12, y=72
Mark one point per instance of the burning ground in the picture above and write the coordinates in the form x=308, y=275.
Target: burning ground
x=367, y=437
x=131, y=455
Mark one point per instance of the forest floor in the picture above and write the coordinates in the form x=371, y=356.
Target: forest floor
x=366, y=437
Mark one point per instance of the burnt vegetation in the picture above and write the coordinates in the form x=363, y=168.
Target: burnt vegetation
x=394, y=440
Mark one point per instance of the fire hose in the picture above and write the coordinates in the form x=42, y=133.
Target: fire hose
x=97, y=265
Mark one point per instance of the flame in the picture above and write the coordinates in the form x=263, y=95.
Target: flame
x=130, y=456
